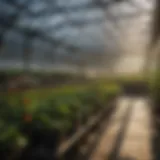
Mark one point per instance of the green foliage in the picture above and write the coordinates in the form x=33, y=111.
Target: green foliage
x=51, y=110
x=155, y=88
x=10, y=124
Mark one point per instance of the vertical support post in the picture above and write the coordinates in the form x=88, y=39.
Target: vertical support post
x=27, y=53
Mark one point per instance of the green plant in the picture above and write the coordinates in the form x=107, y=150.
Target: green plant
x=155, y=89
x=11, y=122
x=24, y=113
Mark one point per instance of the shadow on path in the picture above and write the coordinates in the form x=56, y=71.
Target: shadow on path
x=114, y=155
x=105, y=124
x=126, y=158
x=156, y=138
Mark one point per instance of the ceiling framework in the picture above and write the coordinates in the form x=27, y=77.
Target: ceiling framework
x=51, y=8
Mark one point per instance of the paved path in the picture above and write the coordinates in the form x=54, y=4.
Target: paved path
x=128, y=136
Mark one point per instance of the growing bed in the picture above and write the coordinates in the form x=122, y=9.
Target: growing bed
x=49, y=117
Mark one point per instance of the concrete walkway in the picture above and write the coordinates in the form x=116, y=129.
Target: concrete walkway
x=128, y=136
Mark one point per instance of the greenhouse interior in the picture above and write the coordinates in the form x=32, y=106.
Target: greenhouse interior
x=79, y=80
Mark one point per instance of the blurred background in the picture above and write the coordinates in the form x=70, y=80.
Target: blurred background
x=65, y=67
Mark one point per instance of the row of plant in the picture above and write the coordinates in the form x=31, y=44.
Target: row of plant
x=28, y=118
x=155, y=91
x=42, y=78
